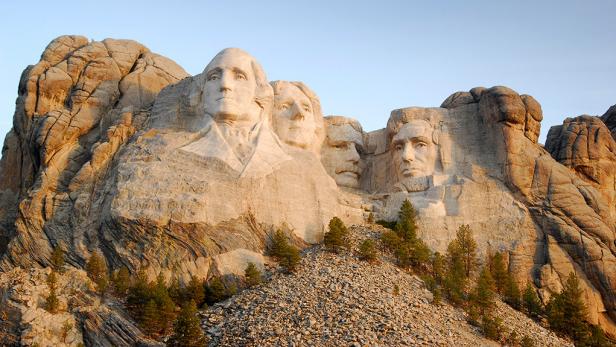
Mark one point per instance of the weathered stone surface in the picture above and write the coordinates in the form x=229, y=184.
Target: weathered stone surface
x=117, y=149
x=609, y=118
x=91, y=320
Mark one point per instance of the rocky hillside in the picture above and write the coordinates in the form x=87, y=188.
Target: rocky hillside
x=339, y=300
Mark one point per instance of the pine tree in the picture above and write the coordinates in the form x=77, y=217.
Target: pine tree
x=164, y=305
x=531, y=302
x=337, y=236
x=139, y=293
x=455, y=279
x=566, y=312
x=52, y=303
x=438, y=268
x=121, y=281
x=97, y=271
x=466, y=247
x=290, y=258
x=367, y=250
x=492, y=327
x=278, y=243
x=406, y=227
x=215, y=291
x=252, y=275
x=408, y=249
x=483, y=294
x=195, y=291
x=149, y=320
x=499, y=272
x=512, y=293
x=186, y=329
x=57, y=258
x=287, y=255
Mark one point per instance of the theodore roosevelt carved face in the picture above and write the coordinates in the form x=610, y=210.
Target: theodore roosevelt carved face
x=342, y=150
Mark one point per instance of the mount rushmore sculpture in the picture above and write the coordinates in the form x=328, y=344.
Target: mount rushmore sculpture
x=117, y=149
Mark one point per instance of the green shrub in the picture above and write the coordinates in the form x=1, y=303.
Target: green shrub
x=368, y=251
x=252, y=275
x=215, y=291
x=338, y=235
x=526, y=341
x=465, y=247
x=121, y=281
x=566, y=311
x=482, y=298
x=530, y=300
x=290, y=258
x=492, y=327
x=455, y=278
x=403, y=242
x=52, y=303
x=57, y=259
x=287, y=255
x=499, y=272
x=187, y=330
x=97, y=271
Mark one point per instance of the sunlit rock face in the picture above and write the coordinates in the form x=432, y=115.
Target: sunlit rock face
x=342, y=151
x=117, y=149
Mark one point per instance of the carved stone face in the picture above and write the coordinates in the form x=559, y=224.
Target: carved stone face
x=293, y=118
x=414, y=151
x=230, y=87
x=340, y=154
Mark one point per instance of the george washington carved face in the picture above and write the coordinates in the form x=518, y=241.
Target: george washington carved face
x=234, y=85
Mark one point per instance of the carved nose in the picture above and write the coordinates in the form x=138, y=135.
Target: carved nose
x=298, y=112
x=353, y=155
x=408, y=154
x=225, y=84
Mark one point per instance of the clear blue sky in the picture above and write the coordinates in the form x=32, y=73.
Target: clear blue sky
x=363, y=58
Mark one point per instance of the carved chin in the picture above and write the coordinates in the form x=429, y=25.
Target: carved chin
x=347, y=179
x=298, y=140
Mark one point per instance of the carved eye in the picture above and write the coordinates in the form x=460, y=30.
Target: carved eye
x=398, y=147
x=306, y=108
x=421, y=145
x=213, y=77
x=341, y=146
x=240, y=76
x=283, y=107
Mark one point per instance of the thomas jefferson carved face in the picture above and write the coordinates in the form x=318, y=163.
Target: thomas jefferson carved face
x=414, y=150
x=294, y=117
x=231, y=87
x=341, y=152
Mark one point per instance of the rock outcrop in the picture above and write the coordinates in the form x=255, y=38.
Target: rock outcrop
x=117, y=149
x=83, y=316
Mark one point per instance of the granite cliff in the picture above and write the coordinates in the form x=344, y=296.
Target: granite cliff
x=117, y=149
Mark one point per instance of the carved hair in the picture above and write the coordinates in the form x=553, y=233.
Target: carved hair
x=314, y=101
x=264, y=95
x=341, y=120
